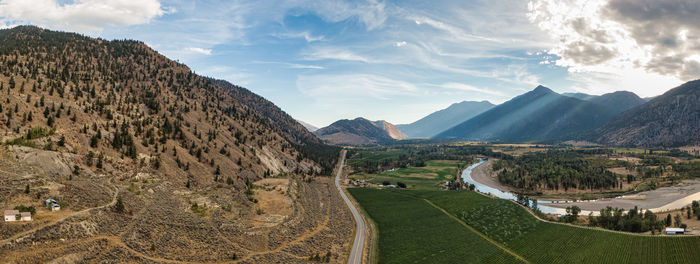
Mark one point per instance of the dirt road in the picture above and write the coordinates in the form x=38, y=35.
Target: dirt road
x=358, y=244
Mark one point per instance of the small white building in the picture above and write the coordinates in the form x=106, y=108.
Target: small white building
x=15, y=215
x=52, y=205
x=674, y=231
x=11, y=215
x=25, y=216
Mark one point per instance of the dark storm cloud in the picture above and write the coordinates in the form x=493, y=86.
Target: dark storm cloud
x=670, y=27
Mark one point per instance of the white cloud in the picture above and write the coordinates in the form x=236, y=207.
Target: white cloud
x=333, y=53
x=623, y=36
x=469, y=88
x=638, y=81
x=370, y=12
x=457, y=33
x=341, y=87
x=305, y=35
x=400, y=44
x=86, y=16
x=292, y=65
x=200, y=50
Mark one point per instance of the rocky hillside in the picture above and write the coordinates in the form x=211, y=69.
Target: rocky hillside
x=390, y=129
x=444, y=119
x=538, y=115
x=130, y=136
x=358, y=131
x=669, y=120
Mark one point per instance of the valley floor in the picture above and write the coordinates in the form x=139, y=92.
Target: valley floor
x=463, y=226
x=658, y=200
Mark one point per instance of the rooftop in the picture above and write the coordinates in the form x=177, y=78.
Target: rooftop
x=11, y=212
x=674, y=229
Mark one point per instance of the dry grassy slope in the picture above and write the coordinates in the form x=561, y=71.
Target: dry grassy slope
x=105, y=84
x=175, y=127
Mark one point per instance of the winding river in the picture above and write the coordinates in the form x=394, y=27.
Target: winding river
x=482, y=188
x=659, y=200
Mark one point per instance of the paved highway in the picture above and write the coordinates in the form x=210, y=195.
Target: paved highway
x=358, y=245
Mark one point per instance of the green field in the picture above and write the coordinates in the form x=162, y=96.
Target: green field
x=513, y=227
x=413, y=231
x=430, y=177
x=379, y=156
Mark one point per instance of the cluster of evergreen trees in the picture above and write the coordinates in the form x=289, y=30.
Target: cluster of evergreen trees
x=556, y=169
x=633, y=221
x=414, y=155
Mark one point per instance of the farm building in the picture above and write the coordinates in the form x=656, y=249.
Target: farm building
x=15, y=215
x=674, y=231
x=52, y=205
x=11, y=215
x=25, y=216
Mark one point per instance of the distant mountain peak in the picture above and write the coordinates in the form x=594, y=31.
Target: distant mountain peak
x=359, y=131
x=542, y=89
x=444, y=119
x=537, y=115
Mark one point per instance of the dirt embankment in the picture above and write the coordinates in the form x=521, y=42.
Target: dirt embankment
x=484, y=174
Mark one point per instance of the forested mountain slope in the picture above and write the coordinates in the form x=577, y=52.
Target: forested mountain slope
x=669, y=120
x=538, y=115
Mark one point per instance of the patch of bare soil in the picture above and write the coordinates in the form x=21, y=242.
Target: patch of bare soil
x=622, y=171
x=159, y=224
x=430, y=175
x=274, y=202
x=633, y=160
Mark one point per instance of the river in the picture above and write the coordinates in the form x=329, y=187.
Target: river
x=658, y=200
x=467, y=177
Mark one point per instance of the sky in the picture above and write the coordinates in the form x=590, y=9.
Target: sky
x=325, y=60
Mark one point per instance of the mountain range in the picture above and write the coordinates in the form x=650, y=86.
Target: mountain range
x=619, y=118
x=668, y=120
x=444, y=119
x=538, y=115
x=359, y=131
x=618, y=102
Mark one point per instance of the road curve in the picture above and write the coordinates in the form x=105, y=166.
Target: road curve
x=358, y=244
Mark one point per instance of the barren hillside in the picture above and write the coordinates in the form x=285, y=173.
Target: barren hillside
x=151, y=162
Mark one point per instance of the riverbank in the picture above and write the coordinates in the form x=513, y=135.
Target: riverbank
x=484, y=174
x=658, y=200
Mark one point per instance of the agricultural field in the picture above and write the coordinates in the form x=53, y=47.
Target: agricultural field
x=516, y=229
x=430, y=177
x=413, y=231
x=376, y=156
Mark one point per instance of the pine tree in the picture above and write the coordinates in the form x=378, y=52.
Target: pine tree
x=119, y=206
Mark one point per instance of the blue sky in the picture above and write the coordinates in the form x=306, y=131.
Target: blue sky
x=321, y=61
